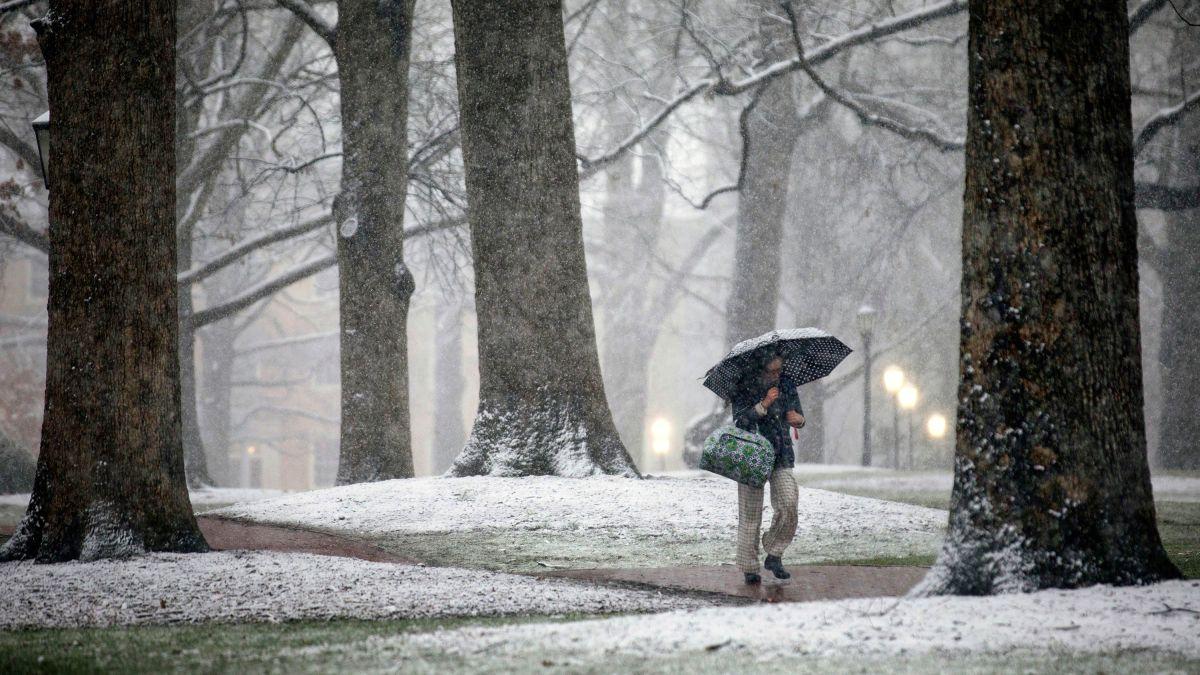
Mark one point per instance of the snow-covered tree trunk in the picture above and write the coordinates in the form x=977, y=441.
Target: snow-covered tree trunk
x=1051, y=482
x=110, y=476
x=542, y=407
x=1179, y=438
x=448, y=383
x=372, y=45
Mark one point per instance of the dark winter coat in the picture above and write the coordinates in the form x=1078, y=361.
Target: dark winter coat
x=774, y=424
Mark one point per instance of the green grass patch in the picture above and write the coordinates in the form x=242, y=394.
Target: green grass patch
x=243, y=647
x=371, y=646
x=886, y=561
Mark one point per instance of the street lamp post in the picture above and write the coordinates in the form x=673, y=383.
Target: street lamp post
x=41, y=131
x=908, y=401
x=893, y=381
x=866, y=322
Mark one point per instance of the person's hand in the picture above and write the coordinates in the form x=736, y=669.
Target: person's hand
x=795, y=419
x=772, y=394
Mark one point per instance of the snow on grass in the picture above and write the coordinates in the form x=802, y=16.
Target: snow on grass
x=230, y=586
x=1166, y=487
x=210, y=496
x=600, y=521
x=1162, y=617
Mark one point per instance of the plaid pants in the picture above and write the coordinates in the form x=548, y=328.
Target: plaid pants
x=783, y=523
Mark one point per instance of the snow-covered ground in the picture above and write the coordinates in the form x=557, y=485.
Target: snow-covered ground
x=602, y=521
x=1163, y=618
x=231, y=586
x=1166, y=487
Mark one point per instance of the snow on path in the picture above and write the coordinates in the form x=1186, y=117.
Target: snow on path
x=680, y=505
x=1096, y=619
x=230, y=586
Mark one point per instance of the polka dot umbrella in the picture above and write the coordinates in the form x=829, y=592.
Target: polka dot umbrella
x=808, y=354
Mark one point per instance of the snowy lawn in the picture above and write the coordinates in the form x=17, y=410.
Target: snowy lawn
x=1163, y=619
x=932, y=488
x=1099, y=629
x=232, y=586
x=526, y=524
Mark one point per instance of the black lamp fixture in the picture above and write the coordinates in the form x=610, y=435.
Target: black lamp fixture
x=41, y=129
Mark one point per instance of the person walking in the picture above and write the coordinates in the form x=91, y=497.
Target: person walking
x=766, y=402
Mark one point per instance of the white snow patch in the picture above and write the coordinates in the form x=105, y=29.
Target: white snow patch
x=230, y=586
x=208, y=496
x=1166, y=487
x=1163, y=616
x=695, y=506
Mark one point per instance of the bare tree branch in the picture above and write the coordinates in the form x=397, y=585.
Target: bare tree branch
x=1144, y=11
x=259, y=292
x=309, y=16
x=1167, y=198
x=867, y=117
x=26, y=151
x=720, y=87
x=247, y=247
x=19, y=230
x=1163, y=118
x=12, y=5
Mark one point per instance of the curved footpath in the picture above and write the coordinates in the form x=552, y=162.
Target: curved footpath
x=808, y=582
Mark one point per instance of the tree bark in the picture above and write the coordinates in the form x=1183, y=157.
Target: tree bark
x=771, y=130
x=110, y=476
x=542, y=408
x=1051, y=482
x=372, y=52
x=1179, y=435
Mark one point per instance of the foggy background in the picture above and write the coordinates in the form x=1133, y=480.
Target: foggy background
x=870, y=218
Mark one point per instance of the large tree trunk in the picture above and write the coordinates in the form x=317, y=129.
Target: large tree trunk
x=1051, y=483
x=1179, y=437
x=449, y=382
x=372, y=51
x=771, y=129
x=110, y=477
x=542, y=408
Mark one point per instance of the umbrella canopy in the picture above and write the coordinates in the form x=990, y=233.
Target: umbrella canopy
x=808, y=354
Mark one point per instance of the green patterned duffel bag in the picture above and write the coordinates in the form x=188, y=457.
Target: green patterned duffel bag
x=742, y=455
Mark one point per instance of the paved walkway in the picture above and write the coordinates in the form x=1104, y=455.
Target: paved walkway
x=808, y=582
x=224, y=534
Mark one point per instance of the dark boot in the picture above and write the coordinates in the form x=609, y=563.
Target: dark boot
x=775, y=564
x=752, y=577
